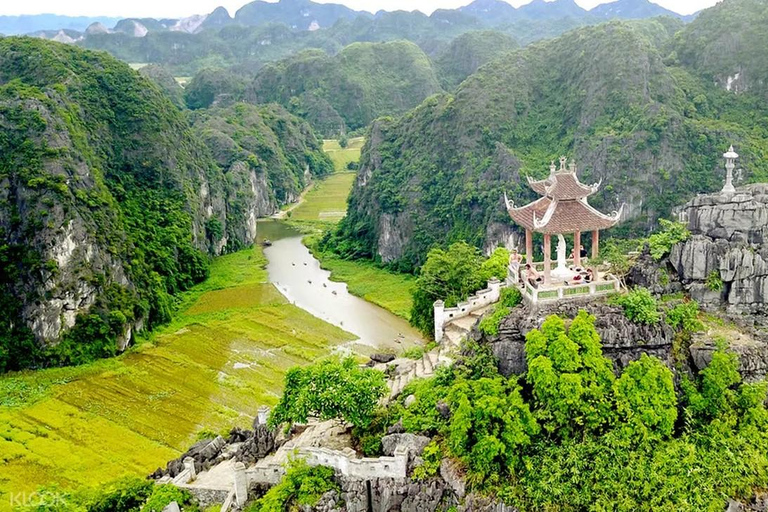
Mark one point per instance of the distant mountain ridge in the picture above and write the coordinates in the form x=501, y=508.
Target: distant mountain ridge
x=309, y=15
x=28, y=23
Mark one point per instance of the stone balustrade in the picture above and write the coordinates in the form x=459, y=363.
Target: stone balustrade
x=481, y=299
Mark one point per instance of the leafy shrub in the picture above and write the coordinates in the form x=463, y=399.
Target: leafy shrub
x=510, y=298
x=714, y=281
x=495, y=266
x=163, y=495
x=489, y=325
x=330, y=389
x=571, y=380
x=302, y=486
x=490, y=425
x=414, y=353
x=661, y=242
x=639, y=306
x=450, y=276
x=126, y=495
x=646, y=401
x=432, y=456
x=685, y=316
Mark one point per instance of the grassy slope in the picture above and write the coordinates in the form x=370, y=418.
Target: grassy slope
x=225, y=355
x=327, y=202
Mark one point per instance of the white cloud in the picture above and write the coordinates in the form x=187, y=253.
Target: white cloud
x=177, y=9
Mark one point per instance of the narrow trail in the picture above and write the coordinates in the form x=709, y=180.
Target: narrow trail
x=283, y=214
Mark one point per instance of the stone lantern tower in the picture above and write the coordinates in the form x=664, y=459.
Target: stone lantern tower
x=730, y=164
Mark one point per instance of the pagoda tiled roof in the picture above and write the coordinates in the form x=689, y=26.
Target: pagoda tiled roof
x=562, y=186
x=554, y=217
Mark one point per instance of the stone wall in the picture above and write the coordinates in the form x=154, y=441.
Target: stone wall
x=479, y=300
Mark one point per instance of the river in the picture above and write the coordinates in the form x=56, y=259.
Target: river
x=298, y=276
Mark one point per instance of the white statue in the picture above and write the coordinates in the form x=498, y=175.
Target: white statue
x=562, y=271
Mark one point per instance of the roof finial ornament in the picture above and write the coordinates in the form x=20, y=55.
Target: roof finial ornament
x=552, y=168
x=563, y=161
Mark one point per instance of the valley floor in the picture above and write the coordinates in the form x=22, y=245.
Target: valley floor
x=223, y=356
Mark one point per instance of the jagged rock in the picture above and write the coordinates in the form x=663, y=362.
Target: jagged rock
x=328, y=502
x=383, y=358
x=753, y=355
x=397, y=428
x=415, y=444
x=259, y=445
x=478, y=503
x=727, y=245
x=392, y=495
x=658, y=277
x=203, y=452
x=444, y=409
x=452, y=473
x=238, y=435
x=172, y=507
x=623, y=341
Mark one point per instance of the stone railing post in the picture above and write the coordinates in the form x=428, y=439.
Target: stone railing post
x=241, y=484
x=495, y=286
x=263, y=415
x=439, y=320
x=189, y=465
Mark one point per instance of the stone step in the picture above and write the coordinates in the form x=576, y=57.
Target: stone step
x=464, y=323
x=427, y=362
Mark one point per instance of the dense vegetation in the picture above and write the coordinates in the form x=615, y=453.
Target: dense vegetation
x=351, y=89
x=468, y=52
x=451, y=276
x=530, y=441
x=110, y=204
x=613, y=97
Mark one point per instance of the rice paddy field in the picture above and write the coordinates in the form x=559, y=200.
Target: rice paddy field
x=327, y=200
x=341, y=157
x=223, y=357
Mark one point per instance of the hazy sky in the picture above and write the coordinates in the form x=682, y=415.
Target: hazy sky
x=178, y=8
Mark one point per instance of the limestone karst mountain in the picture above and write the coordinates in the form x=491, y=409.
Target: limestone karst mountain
x=603, y=95
x=468, y=52
x=109, y=201
x=362, y=82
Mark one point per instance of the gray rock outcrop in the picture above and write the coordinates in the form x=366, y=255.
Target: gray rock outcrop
x=725, y=262
x=623, y=341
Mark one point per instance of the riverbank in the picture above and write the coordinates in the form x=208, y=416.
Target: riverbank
x=223, y=356
x=392, y=291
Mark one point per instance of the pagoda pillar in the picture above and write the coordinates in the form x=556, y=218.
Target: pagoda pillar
x=547, y=258
x=595, y=246
x=528, y=246
x=577, y=249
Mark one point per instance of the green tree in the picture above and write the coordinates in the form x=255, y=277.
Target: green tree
x=490, y=426
x=671, y=233
x=571, y=379
x=302, y=486
x=450, y=276
x=330, y=389
x=646, y=401
x=496, y=265
x=639, y=306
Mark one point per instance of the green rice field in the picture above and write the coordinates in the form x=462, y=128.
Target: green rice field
x=223, y=357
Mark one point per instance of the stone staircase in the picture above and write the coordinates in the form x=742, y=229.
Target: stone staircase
x=443, y=355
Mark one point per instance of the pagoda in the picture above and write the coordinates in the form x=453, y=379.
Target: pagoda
x=561, y=210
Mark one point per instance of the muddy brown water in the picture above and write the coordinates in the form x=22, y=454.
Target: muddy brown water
x=298, y=276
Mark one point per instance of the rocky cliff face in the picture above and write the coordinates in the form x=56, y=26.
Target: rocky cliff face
x=110, y=204
x=623, y=341
x=725, y=262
